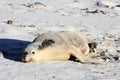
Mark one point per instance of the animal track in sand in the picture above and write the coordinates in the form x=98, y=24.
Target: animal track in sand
x=36, y=5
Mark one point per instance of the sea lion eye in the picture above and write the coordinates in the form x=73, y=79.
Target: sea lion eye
x=33, y=52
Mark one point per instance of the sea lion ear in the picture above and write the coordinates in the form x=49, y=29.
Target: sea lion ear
x=47, y=42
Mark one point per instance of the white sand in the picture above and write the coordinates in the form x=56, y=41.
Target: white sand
x=98, y=19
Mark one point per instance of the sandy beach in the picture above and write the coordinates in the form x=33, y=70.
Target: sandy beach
x=21, y=21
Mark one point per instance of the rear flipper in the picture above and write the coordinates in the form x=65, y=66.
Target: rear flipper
x=80, y=56
x=92, y=45
x=77, y=54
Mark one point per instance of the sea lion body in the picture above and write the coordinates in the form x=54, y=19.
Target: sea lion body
x=57, y=46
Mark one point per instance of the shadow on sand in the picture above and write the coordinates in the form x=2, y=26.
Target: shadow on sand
x=12, y=49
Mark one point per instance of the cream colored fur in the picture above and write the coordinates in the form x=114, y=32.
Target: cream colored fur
x=66, y=43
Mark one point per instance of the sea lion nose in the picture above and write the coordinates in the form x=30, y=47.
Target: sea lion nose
x=25, y=53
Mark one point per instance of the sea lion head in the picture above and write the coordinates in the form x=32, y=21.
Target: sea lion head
x=34, y=51
x=30, y=53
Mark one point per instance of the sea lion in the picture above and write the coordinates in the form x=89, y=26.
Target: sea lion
x=58, y=46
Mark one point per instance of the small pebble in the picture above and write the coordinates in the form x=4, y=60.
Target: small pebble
x=118, y=5
x=31, y=26
x=116, y=58
x=108, y=60
x=53, y=76
x=118, y=51
x=9, y=22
